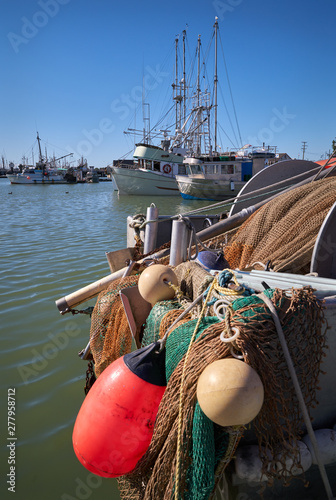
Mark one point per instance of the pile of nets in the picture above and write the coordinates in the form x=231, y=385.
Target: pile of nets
x=206, y=448
x=283, y=231
x=188, y=452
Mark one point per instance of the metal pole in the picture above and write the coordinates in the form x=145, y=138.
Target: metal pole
x=151, y=229
x=180, y=236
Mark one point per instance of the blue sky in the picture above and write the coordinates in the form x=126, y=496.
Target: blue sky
x=74, y=69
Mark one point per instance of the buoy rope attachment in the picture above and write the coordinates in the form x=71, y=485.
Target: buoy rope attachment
x=176, y=288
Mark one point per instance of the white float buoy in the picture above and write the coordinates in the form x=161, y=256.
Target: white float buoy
x=248, y=464
x=154, y=284
x=326, y=441
x=230, y=392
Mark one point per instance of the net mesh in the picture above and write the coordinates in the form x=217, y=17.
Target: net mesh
x=283, y=231
x=110, y=335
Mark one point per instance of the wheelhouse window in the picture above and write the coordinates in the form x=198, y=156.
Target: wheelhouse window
x=194, y=169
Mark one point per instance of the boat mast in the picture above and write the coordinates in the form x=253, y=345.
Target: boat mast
x=40, y=151
x=184, y=78
x=215, y=81
x=177, y=98
x=177, y=126
x=198, y=145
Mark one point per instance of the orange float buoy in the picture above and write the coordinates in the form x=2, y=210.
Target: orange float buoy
x=115, y=423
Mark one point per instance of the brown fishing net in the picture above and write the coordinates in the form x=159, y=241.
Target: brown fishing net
x=206, y=448
x=282, y=231
x=280, y=423
x=110, y=335
x=192, y=278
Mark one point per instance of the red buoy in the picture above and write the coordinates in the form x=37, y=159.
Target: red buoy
x=115, y=423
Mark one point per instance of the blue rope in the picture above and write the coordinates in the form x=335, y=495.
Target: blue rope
x=224, y=278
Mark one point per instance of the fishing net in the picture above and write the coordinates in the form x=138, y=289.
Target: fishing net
x=283, y=231
x=206, y=448
x=153, y=323
x=110, y=335
x=279, y=425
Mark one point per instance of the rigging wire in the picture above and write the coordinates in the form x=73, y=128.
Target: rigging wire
x=230, y=140
x=228, y=116
x=229, y=84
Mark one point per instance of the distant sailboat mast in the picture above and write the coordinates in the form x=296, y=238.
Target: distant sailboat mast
x=39, y=146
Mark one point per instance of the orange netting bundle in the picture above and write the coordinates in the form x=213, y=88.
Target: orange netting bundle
x=110, y=335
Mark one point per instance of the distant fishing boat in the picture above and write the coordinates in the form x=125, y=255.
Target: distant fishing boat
x=42, y=173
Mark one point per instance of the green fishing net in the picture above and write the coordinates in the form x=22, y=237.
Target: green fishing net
x=155, y=317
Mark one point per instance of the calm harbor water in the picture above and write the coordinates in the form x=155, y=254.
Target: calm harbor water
x=53, y=241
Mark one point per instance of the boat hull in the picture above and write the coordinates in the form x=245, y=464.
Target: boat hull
x=207, y=189
x=37, y=179
x=144, y=182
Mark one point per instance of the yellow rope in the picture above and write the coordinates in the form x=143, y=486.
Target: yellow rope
x=228, y=291
x=178, y=452
x=176, y=289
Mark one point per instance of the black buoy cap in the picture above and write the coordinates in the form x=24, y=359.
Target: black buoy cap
x=148, y=363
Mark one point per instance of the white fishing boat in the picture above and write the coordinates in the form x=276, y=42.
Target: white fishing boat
x=42, y=173
x=221, y=177
x=154, y=173
x=214, y=178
